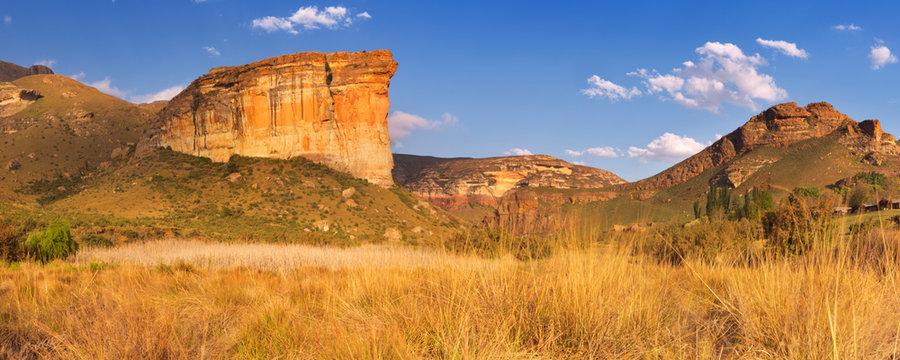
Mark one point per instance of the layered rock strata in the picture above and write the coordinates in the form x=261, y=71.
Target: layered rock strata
x=329, y=108
x=457, y=182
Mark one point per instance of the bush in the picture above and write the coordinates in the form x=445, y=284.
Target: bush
x=798, y=224
x=53, y=243
x=10, y=244
x=97, y=241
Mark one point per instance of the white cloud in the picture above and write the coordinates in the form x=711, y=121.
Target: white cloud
x=723, y=74
x=78, y=76
x=666, y=148
x=166, y=94
x=271, y=23
x=881, y=56
x=605, y=151
x=578, y=163
x=46, y=62
x=605, y=88
x=518, y=152
x=107, y=87
x=574, y=153
x=789, y=49
x=309, y=18
x=401, y=124
x=7, y=19
x=850, y=27
x=211, y=50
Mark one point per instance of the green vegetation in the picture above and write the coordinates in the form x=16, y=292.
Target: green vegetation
x=55, y=242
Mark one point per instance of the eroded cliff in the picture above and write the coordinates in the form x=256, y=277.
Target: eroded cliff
x=779, y=126
x=456, y=182
x=329, y=108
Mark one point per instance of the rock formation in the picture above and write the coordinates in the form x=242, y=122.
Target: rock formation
x=779, y=126
x=456, y=182
x=10, y=71
x=329, y=108
x=13, y=99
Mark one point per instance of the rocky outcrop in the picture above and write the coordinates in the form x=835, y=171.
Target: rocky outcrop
x=457, y=182
x=13, y=99
x=329, y=108
x=10, y=71
x=779, y=126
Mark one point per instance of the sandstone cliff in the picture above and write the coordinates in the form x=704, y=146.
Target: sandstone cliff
x=457, y=182
x=329, y=108
x=779, y=126
x=10, y=71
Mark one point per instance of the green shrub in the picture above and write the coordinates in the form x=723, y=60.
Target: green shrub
x=55, y=242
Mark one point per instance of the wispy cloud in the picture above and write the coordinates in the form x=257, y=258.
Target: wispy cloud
x=402, y=124
x=518, y=152
x=601, y=151
x=166, y=94
x=107, y=87
x=722, y=74
x=7, y=19
x=789, y=49
x=880, y=56
x=309, y=18
x=850, y=27
x=600, y=87
x=46, y=62
x=78, y=76
x=211, y=51
x=666, y=148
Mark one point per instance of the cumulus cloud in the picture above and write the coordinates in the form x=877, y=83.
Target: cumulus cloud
x=309, y=18
x=722, y=74
x=579, y=163
x=850, y=27
x=605, y=88
x=401, y=124
x=107, y=87
x=518, y=152
x=574, y=153
x=881, y=56
x=46, y=62
x=211, y=50
x=166, y=94
x=789, y=49
x=666, y=148
x=605, y=151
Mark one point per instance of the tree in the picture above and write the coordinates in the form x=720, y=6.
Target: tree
x=55, y=242
x=858, y=196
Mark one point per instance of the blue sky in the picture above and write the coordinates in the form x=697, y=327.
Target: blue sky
x=488, y=78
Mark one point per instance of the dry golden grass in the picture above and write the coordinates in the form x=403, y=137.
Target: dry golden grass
x=243, y=301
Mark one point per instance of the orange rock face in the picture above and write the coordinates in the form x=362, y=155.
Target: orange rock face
x=329, y=108
x=778, y=126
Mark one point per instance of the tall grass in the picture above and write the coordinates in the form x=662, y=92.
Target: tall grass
x=600, y=301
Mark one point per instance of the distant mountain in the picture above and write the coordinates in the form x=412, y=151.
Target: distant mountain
x=465, y=185
x=10, y=71
x=783, y=147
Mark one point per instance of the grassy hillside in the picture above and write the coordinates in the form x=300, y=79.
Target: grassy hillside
x=169, y=193
x=63, y=136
